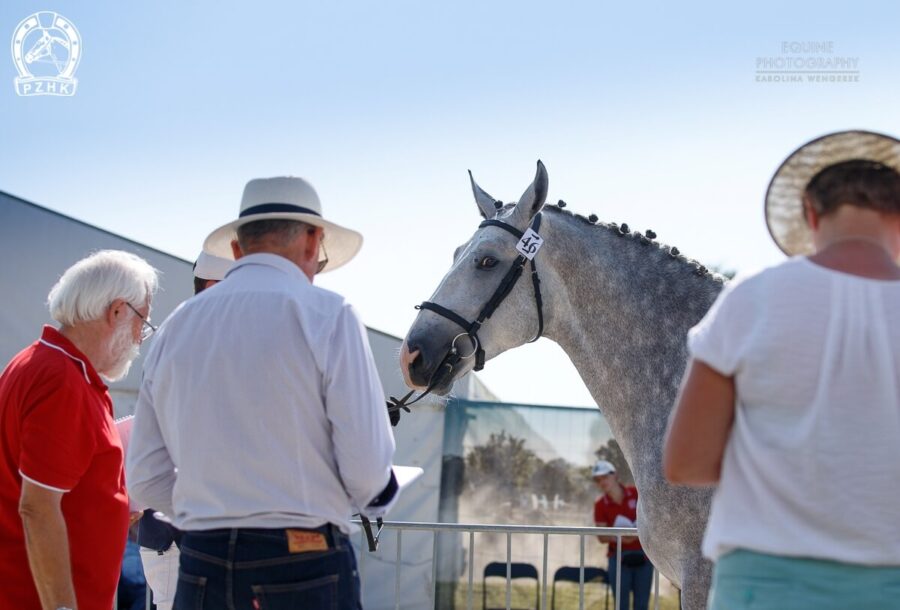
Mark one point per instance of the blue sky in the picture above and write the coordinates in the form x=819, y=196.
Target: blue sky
x=643, y=113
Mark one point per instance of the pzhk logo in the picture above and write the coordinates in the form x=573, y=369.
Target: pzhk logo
x=46, y=48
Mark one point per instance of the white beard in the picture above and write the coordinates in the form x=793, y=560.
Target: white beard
x=122, y=351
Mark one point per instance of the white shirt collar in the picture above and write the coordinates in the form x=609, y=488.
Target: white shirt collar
x=269, y=260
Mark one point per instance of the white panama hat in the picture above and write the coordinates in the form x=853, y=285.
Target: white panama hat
x=784, y=198
x=286, y=198
x=212, y=267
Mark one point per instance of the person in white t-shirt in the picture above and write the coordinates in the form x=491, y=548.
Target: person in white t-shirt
x=791, y=402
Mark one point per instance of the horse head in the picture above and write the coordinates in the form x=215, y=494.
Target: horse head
x=480, y=285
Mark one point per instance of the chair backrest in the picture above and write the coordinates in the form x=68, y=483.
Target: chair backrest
x=571, y=574
x=516, y=570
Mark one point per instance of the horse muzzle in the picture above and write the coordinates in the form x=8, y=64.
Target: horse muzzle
x=421, y=360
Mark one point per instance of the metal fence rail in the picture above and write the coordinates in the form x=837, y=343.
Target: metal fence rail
x=510, y=531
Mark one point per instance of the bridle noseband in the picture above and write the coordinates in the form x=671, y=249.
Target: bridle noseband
x=528, y=245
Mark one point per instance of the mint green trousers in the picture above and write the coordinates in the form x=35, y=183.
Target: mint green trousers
x=744, y=580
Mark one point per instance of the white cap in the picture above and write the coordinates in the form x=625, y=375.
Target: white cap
x=601, y=468
x=210, y=267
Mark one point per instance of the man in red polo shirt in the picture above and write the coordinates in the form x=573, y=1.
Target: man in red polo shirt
x=63, y=504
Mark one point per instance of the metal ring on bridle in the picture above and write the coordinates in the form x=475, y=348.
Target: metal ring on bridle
x=474, y=344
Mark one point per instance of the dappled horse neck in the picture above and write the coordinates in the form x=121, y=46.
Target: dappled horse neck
x=630, y=302
x=628, y=279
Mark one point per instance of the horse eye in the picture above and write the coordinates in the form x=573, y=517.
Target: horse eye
x=488, y=262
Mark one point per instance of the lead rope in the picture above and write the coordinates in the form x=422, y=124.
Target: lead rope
x=394, y=405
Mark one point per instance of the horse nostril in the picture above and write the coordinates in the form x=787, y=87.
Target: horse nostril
x=415, y=358
x=417, y=365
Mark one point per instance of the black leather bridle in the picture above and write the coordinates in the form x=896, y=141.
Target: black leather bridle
x=470, y=329
x=506, y=285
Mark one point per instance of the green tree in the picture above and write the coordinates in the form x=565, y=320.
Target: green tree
x=612, y=453
x=503, y=463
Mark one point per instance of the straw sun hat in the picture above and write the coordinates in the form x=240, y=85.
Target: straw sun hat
x=784, y=198
x=287, y=198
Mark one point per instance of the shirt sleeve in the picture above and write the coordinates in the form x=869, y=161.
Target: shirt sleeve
x=720, y=338
x=355, y=407
x=149, y=469
x=58, y=434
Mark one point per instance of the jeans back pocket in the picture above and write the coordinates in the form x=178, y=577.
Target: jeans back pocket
x=320, y=593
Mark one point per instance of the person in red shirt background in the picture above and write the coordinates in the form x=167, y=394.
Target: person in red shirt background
x=63, y=504
x=617, y=507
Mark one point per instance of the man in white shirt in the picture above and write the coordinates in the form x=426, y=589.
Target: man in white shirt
x=263, y=394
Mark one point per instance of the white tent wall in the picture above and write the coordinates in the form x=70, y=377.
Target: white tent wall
x=39, y=244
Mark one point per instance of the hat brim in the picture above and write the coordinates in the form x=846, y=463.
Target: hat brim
x=340, y=244
x=784, y=197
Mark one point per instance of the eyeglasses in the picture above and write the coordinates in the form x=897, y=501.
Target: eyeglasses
x=312, y=231
x=147, y=329
x=323, y=262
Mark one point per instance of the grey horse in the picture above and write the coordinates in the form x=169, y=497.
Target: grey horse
x=620, y=305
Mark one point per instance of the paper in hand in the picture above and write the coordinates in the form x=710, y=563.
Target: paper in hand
x=623, y=521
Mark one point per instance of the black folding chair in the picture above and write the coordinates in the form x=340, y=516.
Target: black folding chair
x=571, y=574
x=516, y=570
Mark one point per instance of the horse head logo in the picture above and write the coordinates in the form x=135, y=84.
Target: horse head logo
x=46, y=49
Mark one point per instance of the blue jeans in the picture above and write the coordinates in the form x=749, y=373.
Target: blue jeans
x=254, y=569
x=636, y=581
x=131, y=593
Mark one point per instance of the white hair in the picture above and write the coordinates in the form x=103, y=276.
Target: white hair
x=87, y=288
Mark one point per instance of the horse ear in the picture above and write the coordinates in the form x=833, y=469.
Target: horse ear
x=532, y=200
x=486, y=203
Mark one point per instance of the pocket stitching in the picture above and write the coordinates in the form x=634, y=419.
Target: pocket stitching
x=332, y=579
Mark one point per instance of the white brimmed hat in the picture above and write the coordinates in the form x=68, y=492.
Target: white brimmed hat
x=210, y=267
x=784, y=198
x=287, y=198
x=602, y=468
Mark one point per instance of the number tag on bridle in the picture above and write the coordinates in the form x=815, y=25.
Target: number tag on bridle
x=530, y=243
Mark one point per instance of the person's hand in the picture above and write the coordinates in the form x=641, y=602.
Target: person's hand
x=134, y=518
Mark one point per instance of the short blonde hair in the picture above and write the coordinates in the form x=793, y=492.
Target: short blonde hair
x=87, y=288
